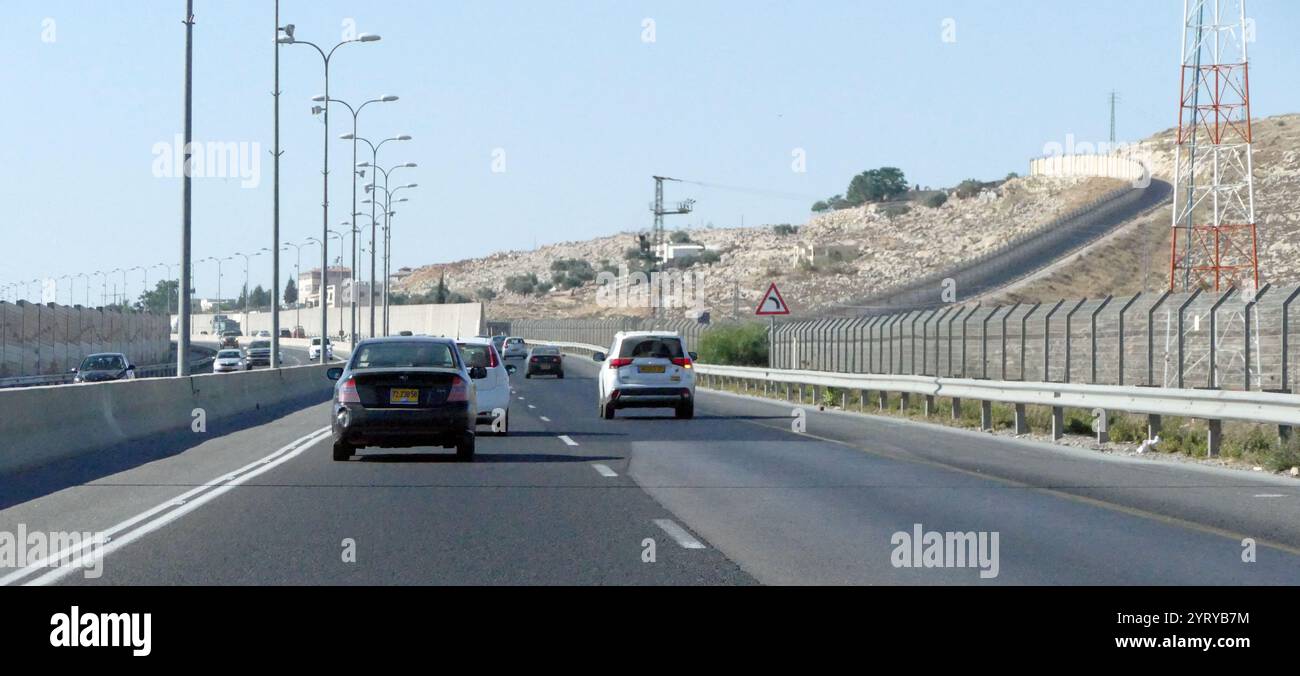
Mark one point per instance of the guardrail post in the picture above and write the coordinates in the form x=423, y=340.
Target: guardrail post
x=1214, y=438
x=1213, y=380
x=1047, y=341
x=1153, y=426
x=862, y=401
x=929, y=405
x=904, y=400
x=964, y=323
x=1246, y=343
x=1122, y=310
x=817, y=395
x=1024, y=328
x=956, y=408
x=1022, y=422
x=882, y=400
x=1151, y=338
x=1058, y=423
x=986, y=415
x=1101, y=425
x=984, y=342
x=1005, y=317
x=1181, y=342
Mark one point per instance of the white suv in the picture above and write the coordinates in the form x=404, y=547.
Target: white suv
x=313, y=351
x=647, y=369
x=494, y=387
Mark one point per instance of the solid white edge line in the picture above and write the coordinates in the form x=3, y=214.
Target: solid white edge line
x=679, y=534
x=285, y=453
x=604, y=470
x=565, y=438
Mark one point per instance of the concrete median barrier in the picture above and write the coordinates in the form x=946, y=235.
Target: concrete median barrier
x=39, y=425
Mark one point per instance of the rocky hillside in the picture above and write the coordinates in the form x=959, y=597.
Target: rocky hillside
x=1136, y=256
x=885, y=244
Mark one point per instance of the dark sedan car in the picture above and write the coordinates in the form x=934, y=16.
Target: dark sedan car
x=259, y=353
x=545, y=361
x=98, y=368
x=401, y=392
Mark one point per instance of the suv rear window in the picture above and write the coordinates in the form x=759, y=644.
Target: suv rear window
x=259, y=344
x=661, y=347
x=475, y=354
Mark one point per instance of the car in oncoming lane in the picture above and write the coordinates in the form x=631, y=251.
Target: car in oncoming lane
x=493, y=387
x=545, y=360
x=646, y=369
x=403, y=392
x=313, y=350
x=515, y=348
x=229, y=361
x=259, y=353
x=102, y=367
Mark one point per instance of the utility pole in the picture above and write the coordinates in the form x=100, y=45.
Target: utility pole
x=183, y=320
x=657, y=239
x=275, y=213
x=1114, y=98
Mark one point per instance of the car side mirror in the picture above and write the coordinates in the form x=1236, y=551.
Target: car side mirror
x=334, y=373
x=598, y=356
x=478, y=372
x=694, y=357
x=511, y=369
x=72, y=370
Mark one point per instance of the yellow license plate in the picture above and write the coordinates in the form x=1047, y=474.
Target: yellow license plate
x=403, y=396
x=652, y=368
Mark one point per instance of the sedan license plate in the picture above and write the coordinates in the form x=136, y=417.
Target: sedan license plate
x=650, y=368
x=409, y=397
x=544, y=367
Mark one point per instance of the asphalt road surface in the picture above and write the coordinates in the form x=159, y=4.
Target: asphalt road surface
x=731, y=497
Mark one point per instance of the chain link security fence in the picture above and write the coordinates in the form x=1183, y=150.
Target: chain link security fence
x=1232, y=340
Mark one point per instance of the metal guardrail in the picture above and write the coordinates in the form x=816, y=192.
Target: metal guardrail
x=1211, y=405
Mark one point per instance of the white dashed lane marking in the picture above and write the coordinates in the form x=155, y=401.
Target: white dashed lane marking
x=565, y=438
x=683, y=538
x=604, y=470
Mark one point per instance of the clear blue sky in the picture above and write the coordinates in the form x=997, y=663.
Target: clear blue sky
x=585, y=110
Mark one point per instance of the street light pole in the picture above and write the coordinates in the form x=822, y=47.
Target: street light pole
x=297, y=287
x=275, y=213
x=325, y=172
x=374, y=227
x=183, y=340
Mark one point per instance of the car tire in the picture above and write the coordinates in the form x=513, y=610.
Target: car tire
x=343, y=451
x=686, y=411
x=560, y=376
x=528, y=375
x=607, y=411
x=465, y=448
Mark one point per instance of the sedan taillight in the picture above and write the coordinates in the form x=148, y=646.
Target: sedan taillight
x=459, y=390
x=348, y=392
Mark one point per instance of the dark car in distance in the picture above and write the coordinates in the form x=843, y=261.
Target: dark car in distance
x=402, y=392
x=259, y=353
x=545, y=361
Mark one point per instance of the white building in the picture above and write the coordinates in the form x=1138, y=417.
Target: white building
x=309, y=284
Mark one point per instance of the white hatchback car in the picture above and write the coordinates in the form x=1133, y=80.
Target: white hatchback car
x=647, y=369
x=229, y=361
x=514, y=347
x=493, y=390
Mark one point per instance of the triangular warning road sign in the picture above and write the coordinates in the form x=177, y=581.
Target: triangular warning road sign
x=772, y=303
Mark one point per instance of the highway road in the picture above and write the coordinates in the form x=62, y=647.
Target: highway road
x=734, y=496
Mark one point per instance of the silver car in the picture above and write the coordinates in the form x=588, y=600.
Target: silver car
x=229, y=361
x=514, y=348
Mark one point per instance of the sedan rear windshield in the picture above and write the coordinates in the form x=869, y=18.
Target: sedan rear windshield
x=660, y=347
x=546, y=350
x=404, y=355
x=228, y=354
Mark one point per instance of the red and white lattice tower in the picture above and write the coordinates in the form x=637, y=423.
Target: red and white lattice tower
x=1214, y=237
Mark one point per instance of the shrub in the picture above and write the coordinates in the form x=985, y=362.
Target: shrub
x=485, y=293
x=896, y=210
x=522, y=284
x=680, y=237
x=787, y=229
x=742, y=345
x=936, y=200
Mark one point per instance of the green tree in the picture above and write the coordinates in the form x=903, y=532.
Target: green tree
x=821, y=206
x=876, y=185
x=290, y=292
x=161, y=299
x=680, y=237
x=743, y=345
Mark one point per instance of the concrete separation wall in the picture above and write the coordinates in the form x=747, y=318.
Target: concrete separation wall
x=44, y=424
x=456, y=320
x=38, y=339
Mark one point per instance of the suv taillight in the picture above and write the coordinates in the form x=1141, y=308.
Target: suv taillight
x=348, y=392
x=459, y=390
x=684, y=362
x=619, y=362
